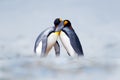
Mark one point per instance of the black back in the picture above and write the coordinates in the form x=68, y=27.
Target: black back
x=74, y=40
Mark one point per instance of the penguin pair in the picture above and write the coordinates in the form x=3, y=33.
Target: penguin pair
x=67, y=35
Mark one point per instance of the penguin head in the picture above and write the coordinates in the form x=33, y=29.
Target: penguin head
x=57, y=21
x=67, y=23
x=58, y=24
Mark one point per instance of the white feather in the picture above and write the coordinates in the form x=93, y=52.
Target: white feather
x=51, y=41
x=39, y=48
x=66, y=43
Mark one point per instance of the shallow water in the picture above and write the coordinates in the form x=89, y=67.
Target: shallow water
x=52, y=68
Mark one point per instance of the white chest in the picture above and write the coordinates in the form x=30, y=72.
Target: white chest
x=51, y=41
x=66, y=43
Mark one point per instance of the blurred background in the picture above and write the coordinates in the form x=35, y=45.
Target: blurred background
x=96, y=22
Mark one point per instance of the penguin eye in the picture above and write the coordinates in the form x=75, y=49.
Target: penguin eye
x=65, y=22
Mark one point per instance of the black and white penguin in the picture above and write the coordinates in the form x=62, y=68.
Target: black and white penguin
x=47, y=39
x=69, y=39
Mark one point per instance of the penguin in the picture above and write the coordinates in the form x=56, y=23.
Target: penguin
x=47, y=39
x=69, y=39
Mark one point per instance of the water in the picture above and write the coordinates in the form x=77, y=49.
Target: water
x=32, y=67
x=95, y=22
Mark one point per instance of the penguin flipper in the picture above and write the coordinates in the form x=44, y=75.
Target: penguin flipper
x=43, y=38
x=44, y=46
x=75, y=42
x=38, y=40
x=57, y=48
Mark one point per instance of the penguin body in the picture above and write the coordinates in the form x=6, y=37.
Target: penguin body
x=71, y=42
x=66, y=43
x=45, y=41
x=69, y=39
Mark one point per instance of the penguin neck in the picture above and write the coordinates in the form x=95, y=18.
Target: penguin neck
x=57, y=33
x=54, y=28
x=70, y=27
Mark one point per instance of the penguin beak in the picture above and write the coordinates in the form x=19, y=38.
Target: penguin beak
x=59, y=27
